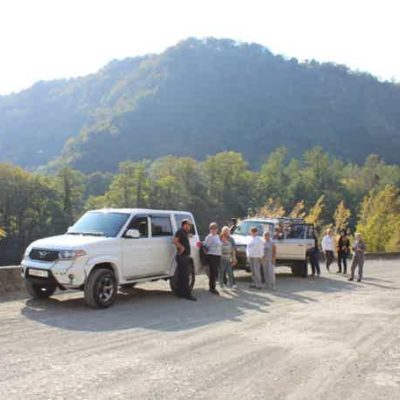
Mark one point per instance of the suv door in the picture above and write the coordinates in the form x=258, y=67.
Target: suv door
x=136, y=253
x=162, y=248
x=294, y=245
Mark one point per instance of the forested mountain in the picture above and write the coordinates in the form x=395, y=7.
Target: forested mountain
x=198, y=98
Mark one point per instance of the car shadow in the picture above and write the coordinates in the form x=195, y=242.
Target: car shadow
x=160, y=310
x=146, y=309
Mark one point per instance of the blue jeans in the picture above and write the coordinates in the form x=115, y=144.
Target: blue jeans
x=225, y=267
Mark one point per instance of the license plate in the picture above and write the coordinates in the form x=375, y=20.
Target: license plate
x=39, y=272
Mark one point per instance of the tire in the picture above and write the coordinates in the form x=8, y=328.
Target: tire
x=101, y=288
x=39, y=292
x=192, y=278
x=299, y=269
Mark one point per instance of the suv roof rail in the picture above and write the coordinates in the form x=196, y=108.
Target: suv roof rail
x=289, y=219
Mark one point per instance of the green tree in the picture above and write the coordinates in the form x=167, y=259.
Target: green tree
x=379, y=218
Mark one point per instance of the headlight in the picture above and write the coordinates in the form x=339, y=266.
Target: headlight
x=70, y=254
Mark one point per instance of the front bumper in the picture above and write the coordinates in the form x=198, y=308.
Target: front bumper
x=68, y=274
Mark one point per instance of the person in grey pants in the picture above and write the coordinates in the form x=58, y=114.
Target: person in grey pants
x=358, y=259
x=268, y=261
x=255, y=253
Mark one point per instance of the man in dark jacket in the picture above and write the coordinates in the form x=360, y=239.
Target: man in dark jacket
x=181, y=241
x=343, y=251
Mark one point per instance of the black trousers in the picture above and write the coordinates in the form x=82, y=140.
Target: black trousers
x=182, y=284
x=329, y=257
x=213, y=265
x=342, y=257
x=313, y=255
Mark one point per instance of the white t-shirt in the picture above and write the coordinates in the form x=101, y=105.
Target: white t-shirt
x=213, y=244
x=328, y=243
x=255, y=247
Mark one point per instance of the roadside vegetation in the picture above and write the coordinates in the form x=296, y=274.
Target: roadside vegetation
x=320, y=188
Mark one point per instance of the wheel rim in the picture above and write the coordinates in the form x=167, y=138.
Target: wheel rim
x=106, y=288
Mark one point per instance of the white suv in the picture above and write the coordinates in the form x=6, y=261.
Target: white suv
x=295, y=238
x=105, y=249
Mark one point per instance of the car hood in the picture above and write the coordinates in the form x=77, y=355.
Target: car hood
x=67, y=242
x=241, y=240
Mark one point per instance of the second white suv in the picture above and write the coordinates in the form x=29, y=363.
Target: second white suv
x=295, y=238
x=107, y=249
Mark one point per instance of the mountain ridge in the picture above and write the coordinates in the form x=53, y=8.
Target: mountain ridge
x=195, y=99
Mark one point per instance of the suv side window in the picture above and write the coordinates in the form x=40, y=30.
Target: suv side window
x=141, y=224
x=161, y=226
x=310, y=232
x=296, y=231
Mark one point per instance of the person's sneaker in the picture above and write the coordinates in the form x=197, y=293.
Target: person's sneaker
x=252, y=286
x=339, y=272
x=312, y=274
x=234, y=286
x=191, y=297
x=359, y=280
x=214, y=291
x=351, y=279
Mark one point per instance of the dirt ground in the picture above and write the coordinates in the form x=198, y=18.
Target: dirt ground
x=323, y=338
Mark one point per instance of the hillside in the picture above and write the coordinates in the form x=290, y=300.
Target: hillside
x=198, y=98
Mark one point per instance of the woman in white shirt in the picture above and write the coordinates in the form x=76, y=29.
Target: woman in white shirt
x=328, y=247
x=255, y=253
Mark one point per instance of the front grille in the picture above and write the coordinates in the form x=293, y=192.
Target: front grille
x=43, y=255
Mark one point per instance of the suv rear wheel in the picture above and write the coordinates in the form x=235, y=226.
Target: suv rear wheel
x=39, y=291
x=174, y=280
x=101, y=288
x=299, y=268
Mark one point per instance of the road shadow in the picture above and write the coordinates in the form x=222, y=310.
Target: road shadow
x=146, y=309
x=160, y=310
x=293, y=288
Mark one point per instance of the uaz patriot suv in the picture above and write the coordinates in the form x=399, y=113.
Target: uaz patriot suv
x=107, y=249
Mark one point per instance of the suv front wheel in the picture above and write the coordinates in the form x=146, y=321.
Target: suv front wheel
x=299, y=268
x=101, y=288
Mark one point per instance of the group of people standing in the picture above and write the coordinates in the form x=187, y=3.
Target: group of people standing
x=220, y=251
x=221, y=258
x=343, y=249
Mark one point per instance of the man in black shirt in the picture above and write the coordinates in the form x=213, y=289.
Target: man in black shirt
x=181, y=241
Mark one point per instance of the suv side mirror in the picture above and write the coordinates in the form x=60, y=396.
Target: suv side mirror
x=132, y=233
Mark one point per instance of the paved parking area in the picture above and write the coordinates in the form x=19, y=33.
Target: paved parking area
x=313, y=338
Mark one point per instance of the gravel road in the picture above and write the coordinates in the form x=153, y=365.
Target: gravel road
x=313, y=338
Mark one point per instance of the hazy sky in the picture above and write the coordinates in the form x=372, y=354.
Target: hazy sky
x=48, y=39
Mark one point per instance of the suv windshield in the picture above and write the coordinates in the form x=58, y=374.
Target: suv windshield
x=243, y=228
x=99, y=224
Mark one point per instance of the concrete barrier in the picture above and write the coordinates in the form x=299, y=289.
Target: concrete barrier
x=11, y=281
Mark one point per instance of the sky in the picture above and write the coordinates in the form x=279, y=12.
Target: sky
x=52, y=39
